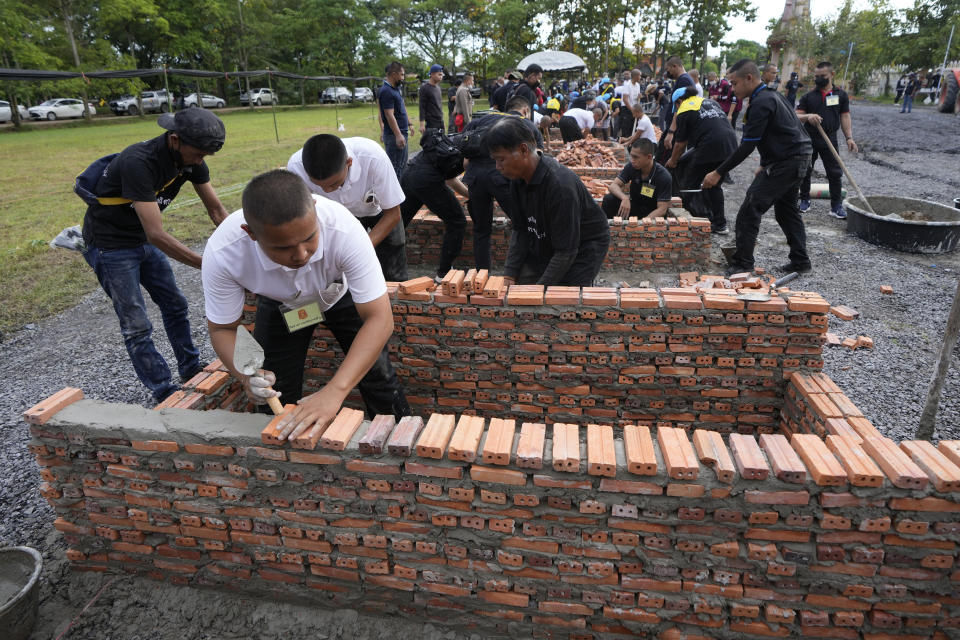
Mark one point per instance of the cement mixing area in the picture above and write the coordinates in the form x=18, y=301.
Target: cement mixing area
x=670, y=454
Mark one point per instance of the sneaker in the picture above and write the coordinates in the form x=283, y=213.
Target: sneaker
x=804, y=206
x=791, y=267
x=838, y=212
x=722, y=231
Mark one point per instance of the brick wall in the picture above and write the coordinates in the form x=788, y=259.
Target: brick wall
x=663, y=245
x=565, y=531
x=673, y=356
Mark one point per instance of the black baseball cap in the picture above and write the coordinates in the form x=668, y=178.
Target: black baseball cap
x=198, y=128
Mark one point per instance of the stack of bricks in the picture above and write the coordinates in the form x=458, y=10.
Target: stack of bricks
x=677, y=356
x=574, y=530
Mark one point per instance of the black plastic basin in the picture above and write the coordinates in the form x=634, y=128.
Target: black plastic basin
x=937, y=229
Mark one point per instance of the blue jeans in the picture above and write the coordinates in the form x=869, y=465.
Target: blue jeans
x=121, y=272
x=398, y=157
x=907, y=104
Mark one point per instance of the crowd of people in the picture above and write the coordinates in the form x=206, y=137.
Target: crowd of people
x=318, y=240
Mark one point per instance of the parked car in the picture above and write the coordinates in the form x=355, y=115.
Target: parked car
x=151, y=101
x=363, y=94
x=336, y=94
x=259, y=97
x=6, y=113
x=59, y=108
x=209, y=101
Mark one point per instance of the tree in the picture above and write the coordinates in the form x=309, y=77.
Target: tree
x=925, y=29
x=707, y=24
x=744, y=49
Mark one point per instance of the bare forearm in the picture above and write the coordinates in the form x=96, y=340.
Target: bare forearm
x=392, y=123
x=846, y=126
x=678, y=149
x=616, y=191
x=174, y=248
x=386, y=224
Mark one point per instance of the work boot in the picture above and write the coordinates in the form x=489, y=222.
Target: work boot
x=838, y=212
x=790, y=267
x=736, y=268
x=804, y=206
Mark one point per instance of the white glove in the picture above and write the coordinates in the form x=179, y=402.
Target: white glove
x=259, y=386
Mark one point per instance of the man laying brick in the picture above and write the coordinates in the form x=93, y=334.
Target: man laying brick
x=310, y=262
x=560, y=235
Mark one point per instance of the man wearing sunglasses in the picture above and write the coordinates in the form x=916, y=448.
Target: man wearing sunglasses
x=309, y=262
x=127, y=246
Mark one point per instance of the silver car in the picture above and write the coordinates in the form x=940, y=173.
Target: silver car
x=209, y=101
x=259, y=97
x=6, y=114
x=363, y=94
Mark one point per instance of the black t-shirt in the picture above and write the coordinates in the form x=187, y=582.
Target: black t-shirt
x=143, y=172
x=451, y=95
x=683, y=80
x=431, y=111
x=503, y=95
x=705, y=128
x=557, y=216
x=525, y=91
x=828, y=106
x=659, y=178
x=775, y=127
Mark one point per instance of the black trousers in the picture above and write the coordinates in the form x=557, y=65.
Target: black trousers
x=830, y=166
x=422, y=188
x=639, y=206
x=392, y=252
x=709, y=202
x=626, y=122
x=485, y=183
x=286, y=355
x=777, y=186
x=569, y=129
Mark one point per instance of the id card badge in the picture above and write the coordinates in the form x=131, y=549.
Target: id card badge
x=298, y=318
x=646, y=190
x=833, y=101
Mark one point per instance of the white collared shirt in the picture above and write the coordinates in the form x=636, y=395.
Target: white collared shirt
x=371, y=185
x=233, y=261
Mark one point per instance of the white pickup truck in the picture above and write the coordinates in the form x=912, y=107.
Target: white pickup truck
x=151, y=101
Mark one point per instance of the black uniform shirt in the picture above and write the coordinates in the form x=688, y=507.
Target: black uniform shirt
x=143, y=172
x=659, y=179
x=705, y=128
x=828, y=106
x=525, y=91
x=559, y=216
x=431, y=111
x=775, y=127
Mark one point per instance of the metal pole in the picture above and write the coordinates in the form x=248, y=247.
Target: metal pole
x=849, y=54
x=927, y=418
x=943, y=67
x=166, y=87
x=837, y=157
x=273, y=105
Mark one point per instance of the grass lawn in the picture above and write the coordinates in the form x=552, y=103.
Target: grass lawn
x=37, y=199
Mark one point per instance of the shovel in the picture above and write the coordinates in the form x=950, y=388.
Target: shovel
x=763, y=296
x=248, y=358
x=836, y=157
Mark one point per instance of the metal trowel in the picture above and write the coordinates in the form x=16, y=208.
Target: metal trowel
x=763, y=296
x=248, y=358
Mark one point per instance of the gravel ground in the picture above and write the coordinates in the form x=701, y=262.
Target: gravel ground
x=913, y=155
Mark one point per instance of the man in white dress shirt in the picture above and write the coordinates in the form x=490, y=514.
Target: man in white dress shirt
x=309, y=262
x=357, y=173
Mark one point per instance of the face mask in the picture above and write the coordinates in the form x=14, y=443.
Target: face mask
x=821, y=81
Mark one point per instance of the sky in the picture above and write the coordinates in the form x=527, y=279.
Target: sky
x=756, y=31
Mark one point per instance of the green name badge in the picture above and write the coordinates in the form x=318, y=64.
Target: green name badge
x=646, y=190
x=300, y=317
x=833, y=101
